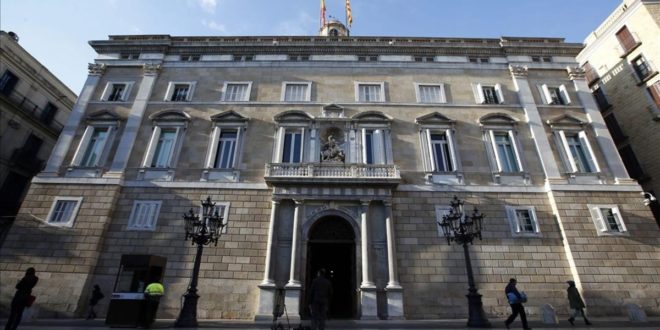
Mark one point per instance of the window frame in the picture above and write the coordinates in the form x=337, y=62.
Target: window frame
x=172, y=86
x=308, y=93
x=480, y=97
x=245, y=98
x=515, y=224
x=624, y=36
x=492, y=144
x=72, y=215
x=567, y=155
x=418, y=92
x=598, y=219
x=546, y=94
x=9, y=81
x=131, y=225
x=85, y=144
x=646, y=65
x=107, y=91
x=381, y=84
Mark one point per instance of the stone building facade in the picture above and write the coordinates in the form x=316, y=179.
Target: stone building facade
x=34, y=105
x=338, y=152
x=621, y=58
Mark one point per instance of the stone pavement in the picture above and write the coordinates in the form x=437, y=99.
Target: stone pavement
x=598, y=323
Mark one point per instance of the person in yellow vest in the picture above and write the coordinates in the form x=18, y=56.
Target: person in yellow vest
x=152, y=295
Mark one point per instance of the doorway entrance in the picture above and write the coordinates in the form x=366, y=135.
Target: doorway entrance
x=331, y=246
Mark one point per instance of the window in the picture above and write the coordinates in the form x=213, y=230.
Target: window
x=476, y=59
x=615, y=129
x=225, y=146
x=607, y=219
x=430, y=93
x=369, y=92
x=505, y=150
x=164, y=148
x=190, y=58
x=439, y=149
x=365, y=58
x=243, y=58
x=626, y=40
x=590, y=73
x=442, y=151
x=144, y=215
x=226, y=151
x=129, y=56
x=642, y=68
x=48, y=113
x=292, y=148
x=654, y=90
x=522, y=220
x=424, y=58
x=601, y=99
x=236, y=91
x=555, y=95
x=116, y=91
x=485, y=94
x=8, y=82
x=92, y=149
x=179, y=91
x=296, y=92
x=299, y=58
x=373, y=146
x=577, y=153
x=64, y=211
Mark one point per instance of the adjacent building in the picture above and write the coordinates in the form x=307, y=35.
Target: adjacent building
x=34, y=105
x=337, y=152
x=621, y=59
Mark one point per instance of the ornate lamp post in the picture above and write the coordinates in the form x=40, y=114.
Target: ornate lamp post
x=202, y=229
x=461, y=228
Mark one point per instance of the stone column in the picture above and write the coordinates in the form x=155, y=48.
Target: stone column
x=267, y=287
x=65, y=139
x=293, y=287
x=543, y=148
x=394, y=290
x=134, y=121
x=368, y=301
x=603, y=137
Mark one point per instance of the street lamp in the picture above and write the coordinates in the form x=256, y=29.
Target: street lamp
x=461, y=228
x=201, y=231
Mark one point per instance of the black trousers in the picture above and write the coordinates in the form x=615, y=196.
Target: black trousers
x=515, y=310
x=319, y=314
x=17, y=307
x=150, y=309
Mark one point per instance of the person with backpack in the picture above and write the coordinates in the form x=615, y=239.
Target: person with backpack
x=516, y=300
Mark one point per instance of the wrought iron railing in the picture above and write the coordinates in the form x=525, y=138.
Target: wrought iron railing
x=40, y=114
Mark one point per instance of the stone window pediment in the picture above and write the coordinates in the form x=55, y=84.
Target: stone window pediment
x=372, y=117
x=170, y=116
x=434, y=118
x=497, y=119
x=103, y=116
x=566, y=121
x=229, y=116
x=293, y=116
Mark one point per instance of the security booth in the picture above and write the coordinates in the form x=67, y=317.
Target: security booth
x=136, y=271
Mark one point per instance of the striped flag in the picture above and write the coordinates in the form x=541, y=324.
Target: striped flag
x=349, y=14
x=322, y=13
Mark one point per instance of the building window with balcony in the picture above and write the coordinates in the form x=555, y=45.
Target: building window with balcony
x=48, y=113
x=556, y=95
x=116, y=91
x=144, y=215
x=292, y=146
x=236, y=91
x=296, y=91
x=430, y=93
x=607, y=219
x=576, y=152
x=64, y=210
x=488, y=94
x=7, y=82
x=179, y=91
x=369, y=92
x=522, y=221
x=642, y=68
x=626, y=40
x=601, y=99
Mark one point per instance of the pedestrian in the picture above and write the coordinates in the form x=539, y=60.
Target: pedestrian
x=516, y=300
x=96, y=296
x=22, y=298
x=152, y=294
x=576, y=303
x=320, y=293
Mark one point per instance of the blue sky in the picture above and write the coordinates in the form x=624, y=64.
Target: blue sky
x=56, y=32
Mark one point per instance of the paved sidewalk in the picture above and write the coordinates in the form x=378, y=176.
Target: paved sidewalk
x=598, y=323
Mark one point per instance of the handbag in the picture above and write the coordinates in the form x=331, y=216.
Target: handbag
x=30, y=300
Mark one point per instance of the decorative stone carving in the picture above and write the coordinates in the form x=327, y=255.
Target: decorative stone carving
x=95, y=68
x=150, y=68
x=519, y=70
x=575, y=73
x=331, y=151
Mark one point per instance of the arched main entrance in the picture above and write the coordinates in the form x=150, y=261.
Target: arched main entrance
x=331, y=246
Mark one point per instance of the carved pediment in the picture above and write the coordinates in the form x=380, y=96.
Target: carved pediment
x=497, y=119
x=170, y=115
x=434, y=118
x=230, y=116
x=372, y=116
x=333, y=111
x=102, y=115
x=293, y=115
x=565, y=120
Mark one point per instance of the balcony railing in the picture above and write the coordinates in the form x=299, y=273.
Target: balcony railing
x=43, y=116
x=332, y=173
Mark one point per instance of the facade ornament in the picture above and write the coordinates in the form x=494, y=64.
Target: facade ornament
x=575, y=73
x=519, y=70
x=95, y=68
x=331, y=152
x=151, y=68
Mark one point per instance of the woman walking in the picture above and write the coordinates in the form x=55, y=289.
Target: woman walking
x=576, y=303
x=21, y=298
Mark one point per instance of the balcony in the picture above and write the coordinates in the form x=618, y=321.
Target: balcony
x=315, y=173
x=41, y=115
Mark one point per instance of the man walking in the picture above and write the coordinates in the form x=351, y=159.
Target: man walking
x=576, y=303
x=515, y=300
x=320, y=293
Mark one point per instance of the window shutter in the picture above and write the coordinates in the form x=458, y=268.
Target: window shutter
x=106, y=149
x=212, y=151
x=532, y=214
x=151, y=148
x=237, y=146
x=452, y=150
x=378, y=147
x=277, y=155
x=597, y=215
x=516, y=149
x=619, y=219
x=82, y=146
x=513, y=219
x=591, y=158
x=546, y=94
x=443, y=96
x=364, y=146
x=428, y=150
x=564, y=94
x=106, y=92
x=563, y=151
x=478, y=94
x=168, y=93
x=500, y=95
x=567, y=150
x=493, y=145
x=302, y=145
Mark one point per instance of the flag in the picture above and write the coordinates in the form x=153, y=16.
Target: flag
x=349, y=15
x=322, y=13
